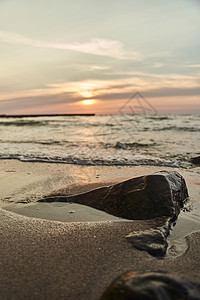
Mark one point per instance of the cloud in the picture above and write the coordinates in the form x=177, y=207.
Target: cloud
x=83, y=68
x=102, y=47
x=194, y=66
x=153, y=84
x=182, y=100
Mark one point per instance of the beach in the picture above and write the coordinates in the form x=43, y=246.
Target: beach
x=99, y=150
x=60, y=253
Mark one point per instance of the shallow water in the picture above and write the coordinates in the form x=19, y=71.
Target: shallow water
x=62, y=212
x=160, y=140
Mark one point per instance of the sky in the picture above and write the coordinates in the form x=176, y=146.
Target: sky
x=90, y=56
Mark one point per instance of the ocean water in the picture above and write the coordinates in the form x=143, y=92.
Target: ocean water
x=124, y=139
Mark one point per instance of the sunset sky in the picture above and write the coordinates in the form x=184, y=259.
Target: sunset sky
x=54, y=55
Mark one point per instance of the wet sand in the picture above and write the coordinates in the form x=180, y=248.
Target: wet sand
x=77, y=255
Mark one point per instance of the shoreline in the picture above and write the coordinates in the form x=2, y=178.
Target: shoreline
x=79, y=259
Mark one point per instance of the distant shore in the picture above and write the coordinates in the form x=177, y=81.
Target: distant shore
x=45, y=115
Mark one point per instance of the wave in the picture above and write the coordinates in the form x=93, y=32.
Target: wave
x=51, y=142
x=136, y=160
x=128, y=146
x=176, y=128
x=23, y=123
x=159, y=118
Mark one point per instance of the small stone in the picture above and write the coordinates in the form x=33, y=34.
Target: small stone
x=152, y=286
x=71, y=211
x=154, y=241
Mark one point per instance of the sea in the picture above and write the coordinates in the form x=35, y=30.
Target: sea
x=170, y=140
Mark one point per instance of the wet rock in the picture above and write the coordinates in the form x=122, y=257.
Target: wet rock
x=145, y=197
x=195, y=160
x=152, y=286
x=160, y=195
x=154, y=241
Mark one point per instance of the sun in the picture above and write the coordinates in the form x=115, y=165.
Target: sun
x=88, y=102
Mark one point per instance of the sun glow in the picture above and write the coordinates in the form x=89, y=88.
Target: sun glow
x=88, y=102
x=87, y=90
x=86, y=94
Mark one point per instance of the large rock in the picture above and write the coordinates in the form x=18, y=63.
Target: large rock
x=145, y=197
x=160, y=195
x=152, y=286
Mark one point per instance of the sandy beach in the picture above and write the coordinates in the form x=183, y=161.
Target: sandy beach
x=54, y=251
x=99, y=150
